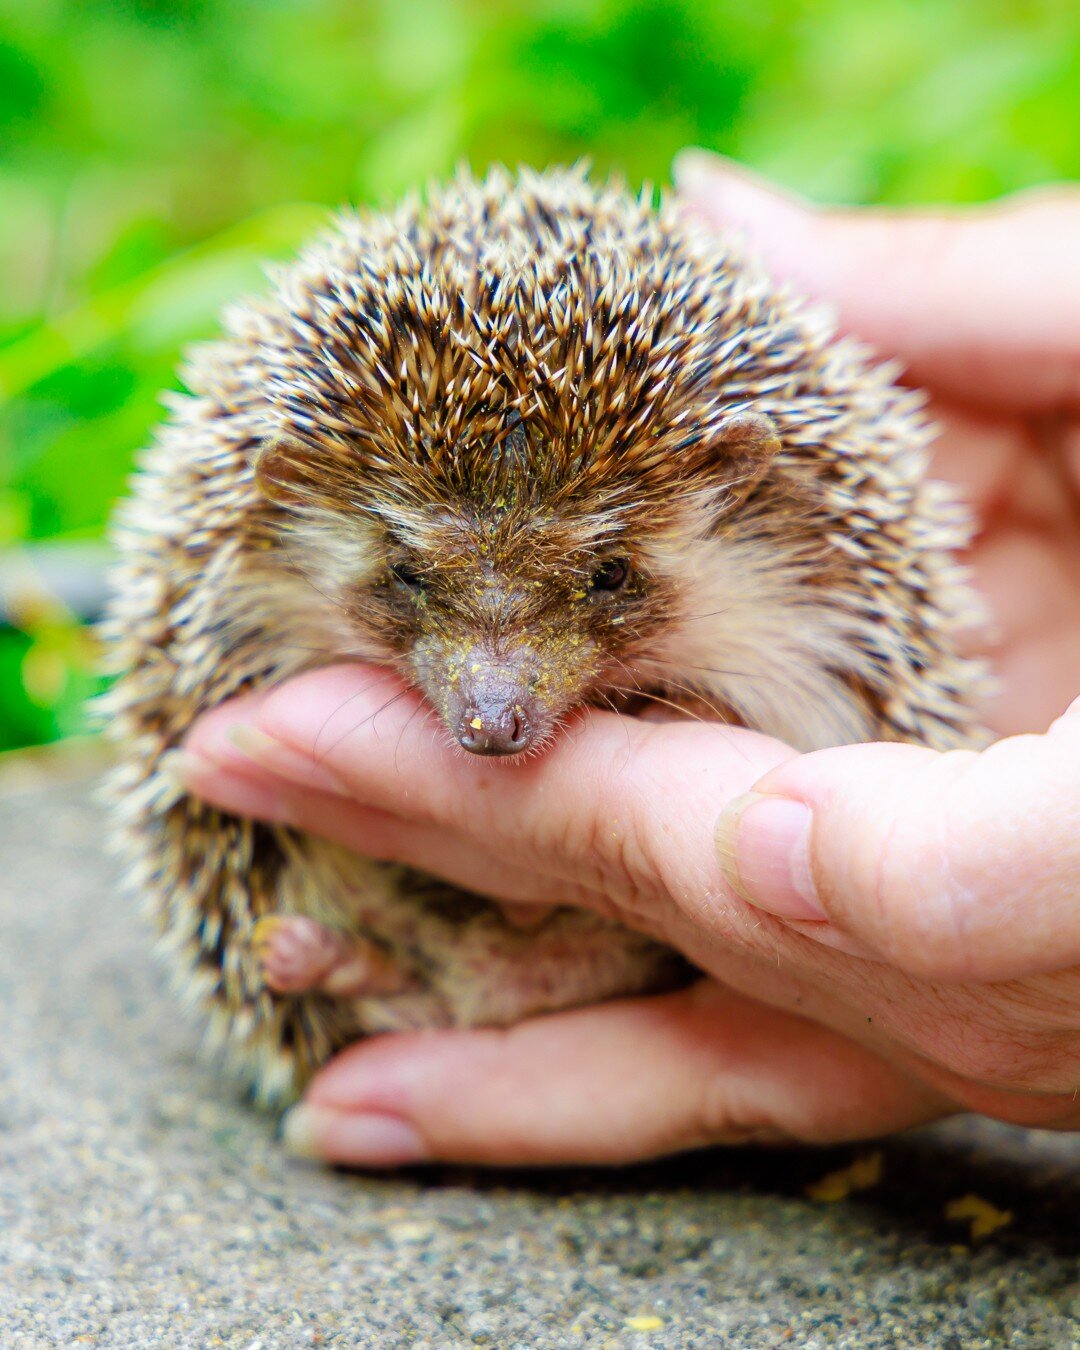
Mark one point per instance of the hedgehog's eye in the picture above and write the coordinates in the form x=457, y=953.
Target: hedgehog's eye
x=611, y=575
x=407, y=577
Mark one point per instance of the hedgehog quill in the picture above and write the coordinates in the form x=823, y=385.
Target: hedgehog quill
x=532, y=443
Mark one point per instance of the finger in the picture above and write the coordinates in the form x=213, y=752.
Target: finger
x=677, y=899
x=586, y=814
x=951, y=867
x=979, y=302
x=983, y=453
x=254, y=790
x=608, y=1084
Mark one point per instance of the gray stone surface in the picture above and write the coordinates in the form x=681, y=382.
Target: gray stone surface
x=142, y=1203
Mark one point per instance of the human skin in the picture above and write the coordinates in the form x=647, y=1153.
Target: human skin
x=889, y=934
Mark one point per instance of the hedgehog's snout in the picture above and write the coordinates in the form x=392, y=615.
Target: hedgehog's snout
x=495, y=729
x=493, y=708
x=492, y=701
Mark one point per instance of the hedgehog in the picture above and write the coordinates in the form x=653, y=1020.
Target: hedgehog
x=533, y=442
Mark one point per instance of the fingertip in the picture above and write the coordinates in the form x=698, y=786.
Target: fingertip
x=731, y=196
x=695, y=171
x=361, y=1139
x=209, y=735
x=763, y=844
x=711, y=176
x=610, y=1084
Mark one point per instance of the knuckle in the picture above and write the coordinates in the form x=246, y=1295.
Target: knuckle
x=719, y=1117
x=620, y=862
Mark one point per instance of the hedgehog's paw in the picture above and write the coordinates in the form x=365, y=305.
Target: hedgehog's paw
x=294, y=954
x=297, y=955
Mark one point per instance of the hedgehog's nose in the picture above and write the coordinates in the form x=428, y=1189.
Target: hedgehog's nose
x=501, y=730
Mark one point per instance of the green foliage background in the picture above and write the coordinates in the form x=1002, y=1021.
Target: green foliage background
x=153, y=152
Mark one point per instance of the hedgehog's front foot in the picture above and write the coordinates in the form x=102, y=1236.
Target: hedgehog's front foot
x=297, y=955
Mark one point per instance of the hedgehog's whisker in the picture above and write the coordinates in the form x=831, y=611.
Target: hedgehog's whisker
x=359, y=693
x=712, y=614
x=611, y=704
x=438, y=726
x=420, y=708
x=362, y=723
x=659, y=698
x=737, y=674
x=675, y=684
x=631, y=673
x=721, y=720
x=379, y=711
x=694, y=693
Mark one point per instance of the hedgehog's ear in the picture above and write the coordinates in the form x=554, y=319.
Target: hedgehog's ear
x=739, y=452
x=282, y=470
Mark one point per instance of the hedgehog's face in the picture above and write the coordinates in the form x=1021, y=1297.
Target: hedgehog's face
x=506, y=622
x=507, y=616
x=508, y=604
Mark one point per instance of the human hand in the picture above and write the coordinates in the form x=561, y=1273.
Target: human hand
x=945, y=974
x=944, y=977
x=980, y=306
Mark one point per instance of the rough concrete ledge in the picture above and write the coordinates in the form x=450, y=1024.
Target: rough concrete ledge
x=143, y=1204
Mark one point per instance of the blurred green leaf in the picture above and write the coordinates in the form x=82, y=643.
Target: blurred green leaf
x=163, y=307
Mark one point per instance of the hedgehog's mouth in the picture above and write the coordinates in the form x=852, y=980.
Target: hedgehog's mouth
x=492, y=705
x=498, y=718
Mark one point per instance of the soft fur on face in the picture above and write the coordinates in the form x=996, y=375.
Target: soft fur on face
x=493, y=609
x=496, y=607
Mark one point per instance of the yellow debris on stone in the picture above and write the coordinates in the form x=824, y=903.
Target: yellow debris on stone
x=863, y=1174
x=391, y=1213
x=410, y=1231
x=984, y=1217
x=645, y=1322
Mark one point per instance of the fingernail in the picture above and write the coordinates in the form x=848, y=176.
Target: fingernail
x=281, y=759
x=706, y=175
x=344, y=1137
x=763, y=844
x=184, y=768
x=693, y=170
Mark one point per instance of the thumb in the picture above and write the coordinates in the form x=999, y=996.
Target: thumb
x=978, y=302
x=956, y=866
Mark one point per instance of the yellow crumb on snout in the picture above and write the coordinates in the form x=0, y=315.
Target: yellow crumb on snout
x=476, y=724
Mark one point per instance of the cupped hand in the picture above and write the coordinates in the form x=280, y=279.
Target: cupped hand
x=889, y=934
x=928, y=961
x=980, y=307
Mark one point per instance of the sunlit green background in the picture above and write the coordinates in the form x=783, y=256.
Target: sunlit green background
x=153, y=152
